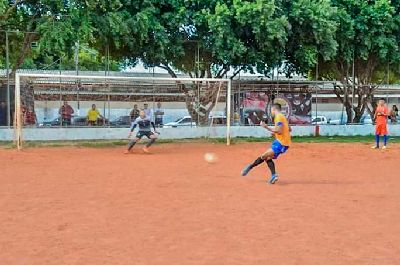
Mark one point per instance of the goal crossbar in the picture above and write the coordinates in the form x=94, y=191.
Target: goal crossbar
x=19, y=76
x=105, y=77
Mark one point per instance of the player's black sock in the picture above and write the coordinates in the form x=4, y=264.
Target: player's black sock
x=271, y=166
x=256, y=162
x=150, y=143
x=131, y=145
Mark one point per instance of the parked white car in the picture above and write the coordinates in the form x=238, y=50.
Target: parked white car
x=218, y=119
x=184, y=121
x=321, y=120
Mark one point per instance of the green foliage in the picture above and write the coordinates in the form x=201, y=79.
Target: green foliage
x=208, y=37
x=369, y=33
x=55, y=26
x=312, y=34
x=198, y=37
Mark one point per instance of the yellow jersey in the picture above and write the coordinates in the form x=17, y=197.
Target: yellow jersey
x=284, y=138
x=93, y=114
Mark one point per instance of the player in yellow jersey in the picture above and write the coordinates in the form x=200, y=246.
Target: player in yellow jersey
x=280, y=145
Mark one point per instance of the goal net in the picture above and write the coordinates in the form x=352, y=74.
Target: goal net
x=103, y=107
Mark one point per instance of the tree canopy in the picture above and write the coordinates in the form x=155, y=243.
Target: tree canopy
x=355, y=42
x=368, y=37
x=54, y=27
x=208, y=37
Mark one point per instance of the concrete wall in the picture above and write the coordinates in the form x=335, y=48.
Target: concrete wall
x=45, y=134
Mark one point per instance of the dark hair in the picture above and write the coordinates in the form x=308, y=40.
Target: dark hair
x=277, y=106
x=382, y=99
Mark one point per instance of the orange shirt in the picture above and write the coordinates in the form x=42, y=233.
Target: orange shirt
x=381, y=119
x=284, y=138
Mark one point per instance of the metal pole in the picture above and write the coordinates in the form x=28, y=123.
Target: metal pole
x=387, y=82
x=61, y=103
x=77, y=73
x=109, y=87
x=18, y=121
x=77, y=57
x=353, y=93
x=316, y=101
x=239, y=105
x=8, y=83
x=316, y=90
x=228, y=113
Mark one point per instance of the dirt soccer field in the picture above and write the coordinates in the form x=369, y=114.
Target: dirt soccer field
x=335, y=203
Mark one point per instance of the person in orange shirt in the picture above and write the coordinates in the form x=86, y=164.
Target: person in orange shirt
x=279, y=146
x=381, y=120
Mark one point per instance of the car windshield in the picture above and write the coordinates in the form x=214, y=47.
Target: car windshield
x=178, y=120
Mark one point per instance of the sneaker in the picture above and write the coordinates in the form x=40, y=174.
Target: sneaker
x=273, y=179
x=146, y=150
x=374, y=147
x=246, y=170
x=384, y=147
x=126, y=152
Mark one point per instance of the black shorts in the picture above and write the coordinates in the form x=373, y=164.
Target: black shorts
x=140, y=134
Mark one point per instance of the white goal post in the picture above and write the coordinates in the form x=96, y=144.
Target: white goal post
x=22, y=77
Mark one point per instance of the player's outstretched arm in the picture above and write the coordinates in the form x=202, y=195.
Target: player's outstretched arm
x=276, y=129
x=133, y=126
x=154, y=127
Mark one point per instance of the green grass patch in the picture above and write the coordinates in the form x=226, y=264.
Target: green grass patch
x=321, y=139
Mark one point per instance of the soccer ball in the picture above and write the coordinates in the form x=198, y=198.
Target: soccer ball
x=210, y=157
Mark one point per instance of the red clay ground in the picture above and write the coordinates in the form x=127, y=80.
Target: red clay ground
x=334, y=204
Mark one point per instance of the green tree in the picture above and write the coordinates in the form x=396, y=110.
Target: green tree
x=239, y=35
x=54, y=25
x=312, y=34
x=368, y=36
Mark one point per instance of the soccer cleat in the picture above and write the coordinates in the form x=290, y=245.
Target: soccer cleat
x=146, y=150
x=246, y=170
x=273, y=179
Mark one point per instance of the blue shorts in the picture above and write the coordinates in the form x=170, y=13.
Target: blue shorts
x=278, y=148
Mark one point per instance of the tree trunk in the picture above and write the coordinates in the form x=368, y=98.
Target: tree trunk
x=343, y=96
x=357, y=115
x=349, y=113
x=24, y=50
x=365, y=101
x=199, y=106
x=370, y=102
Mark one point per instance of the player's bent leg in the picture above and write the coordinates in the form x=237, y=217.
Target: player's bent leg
x=131, y=144
x=271, y=166
x=153, y=139
x=268, y=154
x=277, y=149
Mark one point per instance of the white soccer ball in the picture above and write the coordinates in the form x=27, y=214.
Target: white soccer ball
x=210, y=157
